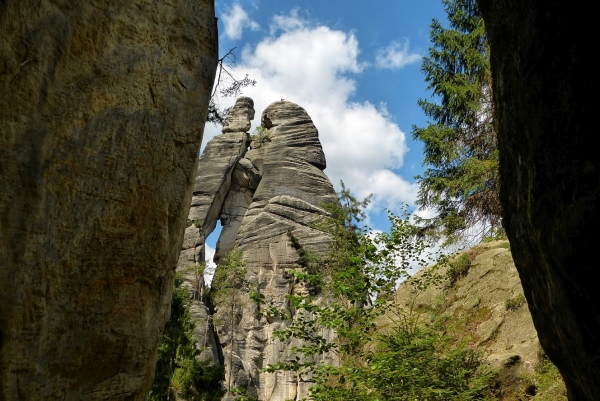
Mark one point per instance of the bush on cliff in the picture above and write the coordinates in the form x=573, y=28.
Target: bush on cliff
x=412, y=359
x=179, y=373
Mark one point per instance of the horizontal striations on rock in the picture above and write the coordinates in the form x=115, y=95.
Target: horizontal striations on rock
x=261, y=196
x=213, y=179
x=288, y=156
x=102, y=109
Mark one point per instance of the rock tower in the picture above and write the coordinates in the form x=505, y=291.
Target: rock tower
x=262, y=189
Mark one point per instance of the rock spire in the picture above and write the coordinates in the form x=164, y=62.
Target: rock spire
x=270, y=186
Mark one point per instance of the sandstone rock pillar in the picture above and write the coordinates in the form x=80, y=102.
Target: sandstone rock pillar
x=288, y=158
x=212, y=186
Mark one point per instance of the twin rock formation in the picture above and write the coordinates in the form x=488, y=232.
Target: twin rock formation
x=262, y=190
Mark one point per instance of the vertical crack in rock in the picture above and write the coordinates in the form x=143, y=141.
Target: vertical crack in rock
x=277, y=187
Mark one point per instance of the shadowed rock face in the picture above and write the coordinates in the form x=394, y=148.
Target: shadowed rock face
x=260, y=195
x=544, y=64
x=102, y=108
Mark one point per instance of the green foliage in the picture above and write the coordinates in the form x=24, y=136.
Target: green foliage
x=262, y=136
x=458, y=268
x=549, y=384
x=496, y=235
x=179, y=372
x=229, y=282
x=195, y=380
x=197, y=271
x=412, y=360
x=228, y=290
x=408, y=364
x=543, y=384
x=515, y=302
x=241, y=394
x=461, y=152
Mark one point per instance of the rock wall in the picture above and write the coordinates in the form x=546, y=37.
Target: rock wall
x=289, y=158
x=543, y=58
x=102, y=109
x=275, y=188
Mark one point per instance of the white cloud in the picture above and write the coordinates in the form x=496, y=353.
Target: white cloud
x=316, y=67
x=209, y=272
x=235, y=20
x=287, y=23
x=396, y=56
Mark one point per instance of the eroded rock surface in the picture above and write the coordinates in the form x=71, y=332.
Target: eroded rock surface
x=102, y=109
x=543, y=59
x=480, y=298
x=486, y=308
x=212, y=186
x=213, y=180
x=277, y=188
x=289, y=197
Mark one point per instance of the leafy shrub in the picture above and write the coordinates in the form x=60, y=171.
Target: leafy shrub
x=179, y=372
x=196, y=380
x=515, y=302
x=409, y=364
x=262, y=136
x=413, y=360
x=458, y=268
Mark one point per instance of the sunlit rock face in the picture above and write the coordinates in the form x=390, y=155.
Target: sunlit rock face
x=544, y=63
x=102, y=109
x=275, y=188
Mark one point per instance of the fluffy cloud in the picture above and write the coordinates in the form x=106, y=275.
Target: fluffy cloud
x=315, y=67
x=287, y=23
x=396, y=56
x=209, y=272
x=235, y=20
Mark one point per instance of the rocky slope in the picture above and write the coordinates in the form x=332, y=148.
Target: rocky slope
x=102, y=109
x=275, y=188
x=481, y=296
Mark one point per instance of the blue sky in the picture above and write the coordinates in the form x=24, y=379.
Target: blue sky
x=355, y=67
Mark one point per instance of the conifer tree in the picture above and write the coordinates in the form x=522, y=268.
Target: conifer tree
x=461, y=152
